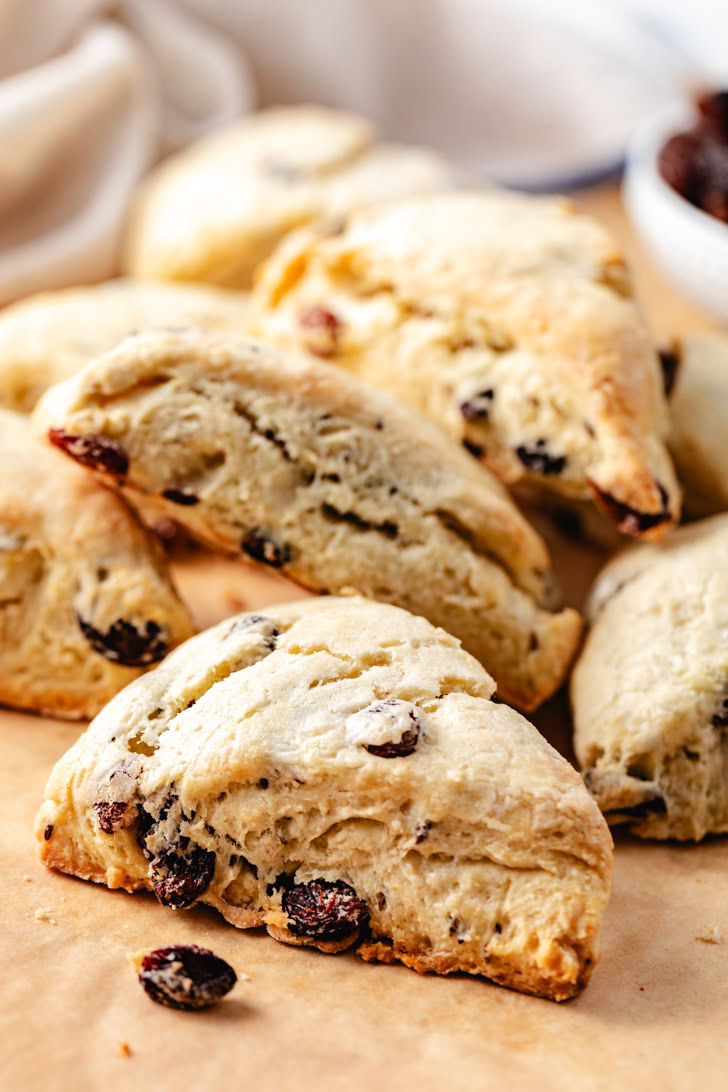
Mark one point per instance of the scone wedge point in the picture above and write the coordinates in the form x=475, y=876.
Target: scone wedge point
x=86, y=603
x=508, y=319
x=297, y=465
x=650, y=689
x=49, y=336
x=333, y=770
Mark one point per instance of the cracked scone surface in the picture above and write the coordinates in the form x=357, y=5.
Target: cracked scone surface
x=699, y=405
x=294, y=464
x=333, y=769
x=215, y=211
x=49, y=336
x=510, y=321
x=85, y=601
x=650, y=689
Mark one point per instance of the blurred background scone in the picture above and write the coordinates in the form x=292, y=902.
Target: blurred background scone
x=216, y=210
x=48, y=337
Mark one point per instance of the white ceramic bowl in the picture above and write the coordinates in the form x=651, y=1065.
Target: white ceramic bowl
x=690, y=246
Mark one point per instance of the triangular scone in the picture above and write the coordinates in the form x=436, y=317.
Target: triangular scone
x=47, y=337
x=297, y=465
x=508, y=319
x=86, y=604
x=650, y=690
x=214, y=211
x=334, y=770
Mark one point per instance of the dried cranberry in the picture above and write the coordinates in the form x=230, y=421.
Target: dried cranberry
x=179, y=878
x=629, y=520
x=713, y=110
x=400, y=723
x=325, y=909
x=669, y=362
x=124, y=644
x=110, y=816
x=185, y=976
x=97, y=452
x=178, y=497
x=654, y=806
x=477, y=407
x=678, y=164
x=258, y=623
x=538, y=459
x=262, y=547
x=322, y=328
x=720, y=719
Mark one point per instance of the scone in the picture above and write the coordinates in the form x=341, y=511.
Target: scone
x=650, y=689
x=299, y=466
x=334, y=770
x=47, y=337
x=214, y=211
x=86, y=604
x=508, y=319
x=699, y=403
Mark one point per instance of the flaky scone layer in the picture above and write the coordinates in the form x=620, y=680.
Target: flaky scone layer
x=509, y=320
x=86, y=603
x=649, y=691
x=297, y=465
x=335, y=771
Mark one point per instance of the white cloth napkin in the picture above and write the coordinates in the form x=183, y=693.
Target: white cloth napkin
x=92, y=92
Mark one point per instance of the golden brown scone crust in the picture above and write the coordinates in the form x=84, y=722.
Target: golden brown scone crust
x=508, y=319
x=253, y=766
x=85, y=599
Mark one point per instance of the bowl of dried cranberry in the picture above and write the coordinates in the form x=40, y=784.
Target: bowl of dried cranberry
x=676, y=192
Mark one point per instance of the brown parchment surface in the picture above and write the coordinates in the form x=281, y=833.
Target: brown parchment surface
x=655, y=1015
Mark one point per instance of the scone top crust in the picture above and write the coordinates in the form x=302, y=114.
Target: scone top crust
x=650, y=692
x=87, y=601
x=507, y=318
x=264, y=742
x=49, y=336
x=214, y=211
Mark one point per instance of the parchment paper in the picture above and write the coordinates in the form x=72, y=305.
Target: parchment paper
x=72, y=1015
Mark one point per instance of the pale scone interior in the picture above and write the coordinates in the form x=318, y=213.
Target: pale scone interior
x=333, y=769
x=296, y=465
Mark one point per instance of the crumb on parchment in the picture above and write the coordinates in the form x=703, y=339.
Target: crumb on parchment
x=123, y=1050
x=43, y=913
x=710, y=935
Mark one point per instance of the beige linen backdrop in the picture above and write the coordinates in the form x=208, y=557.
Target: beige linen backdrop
x=92, y=92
